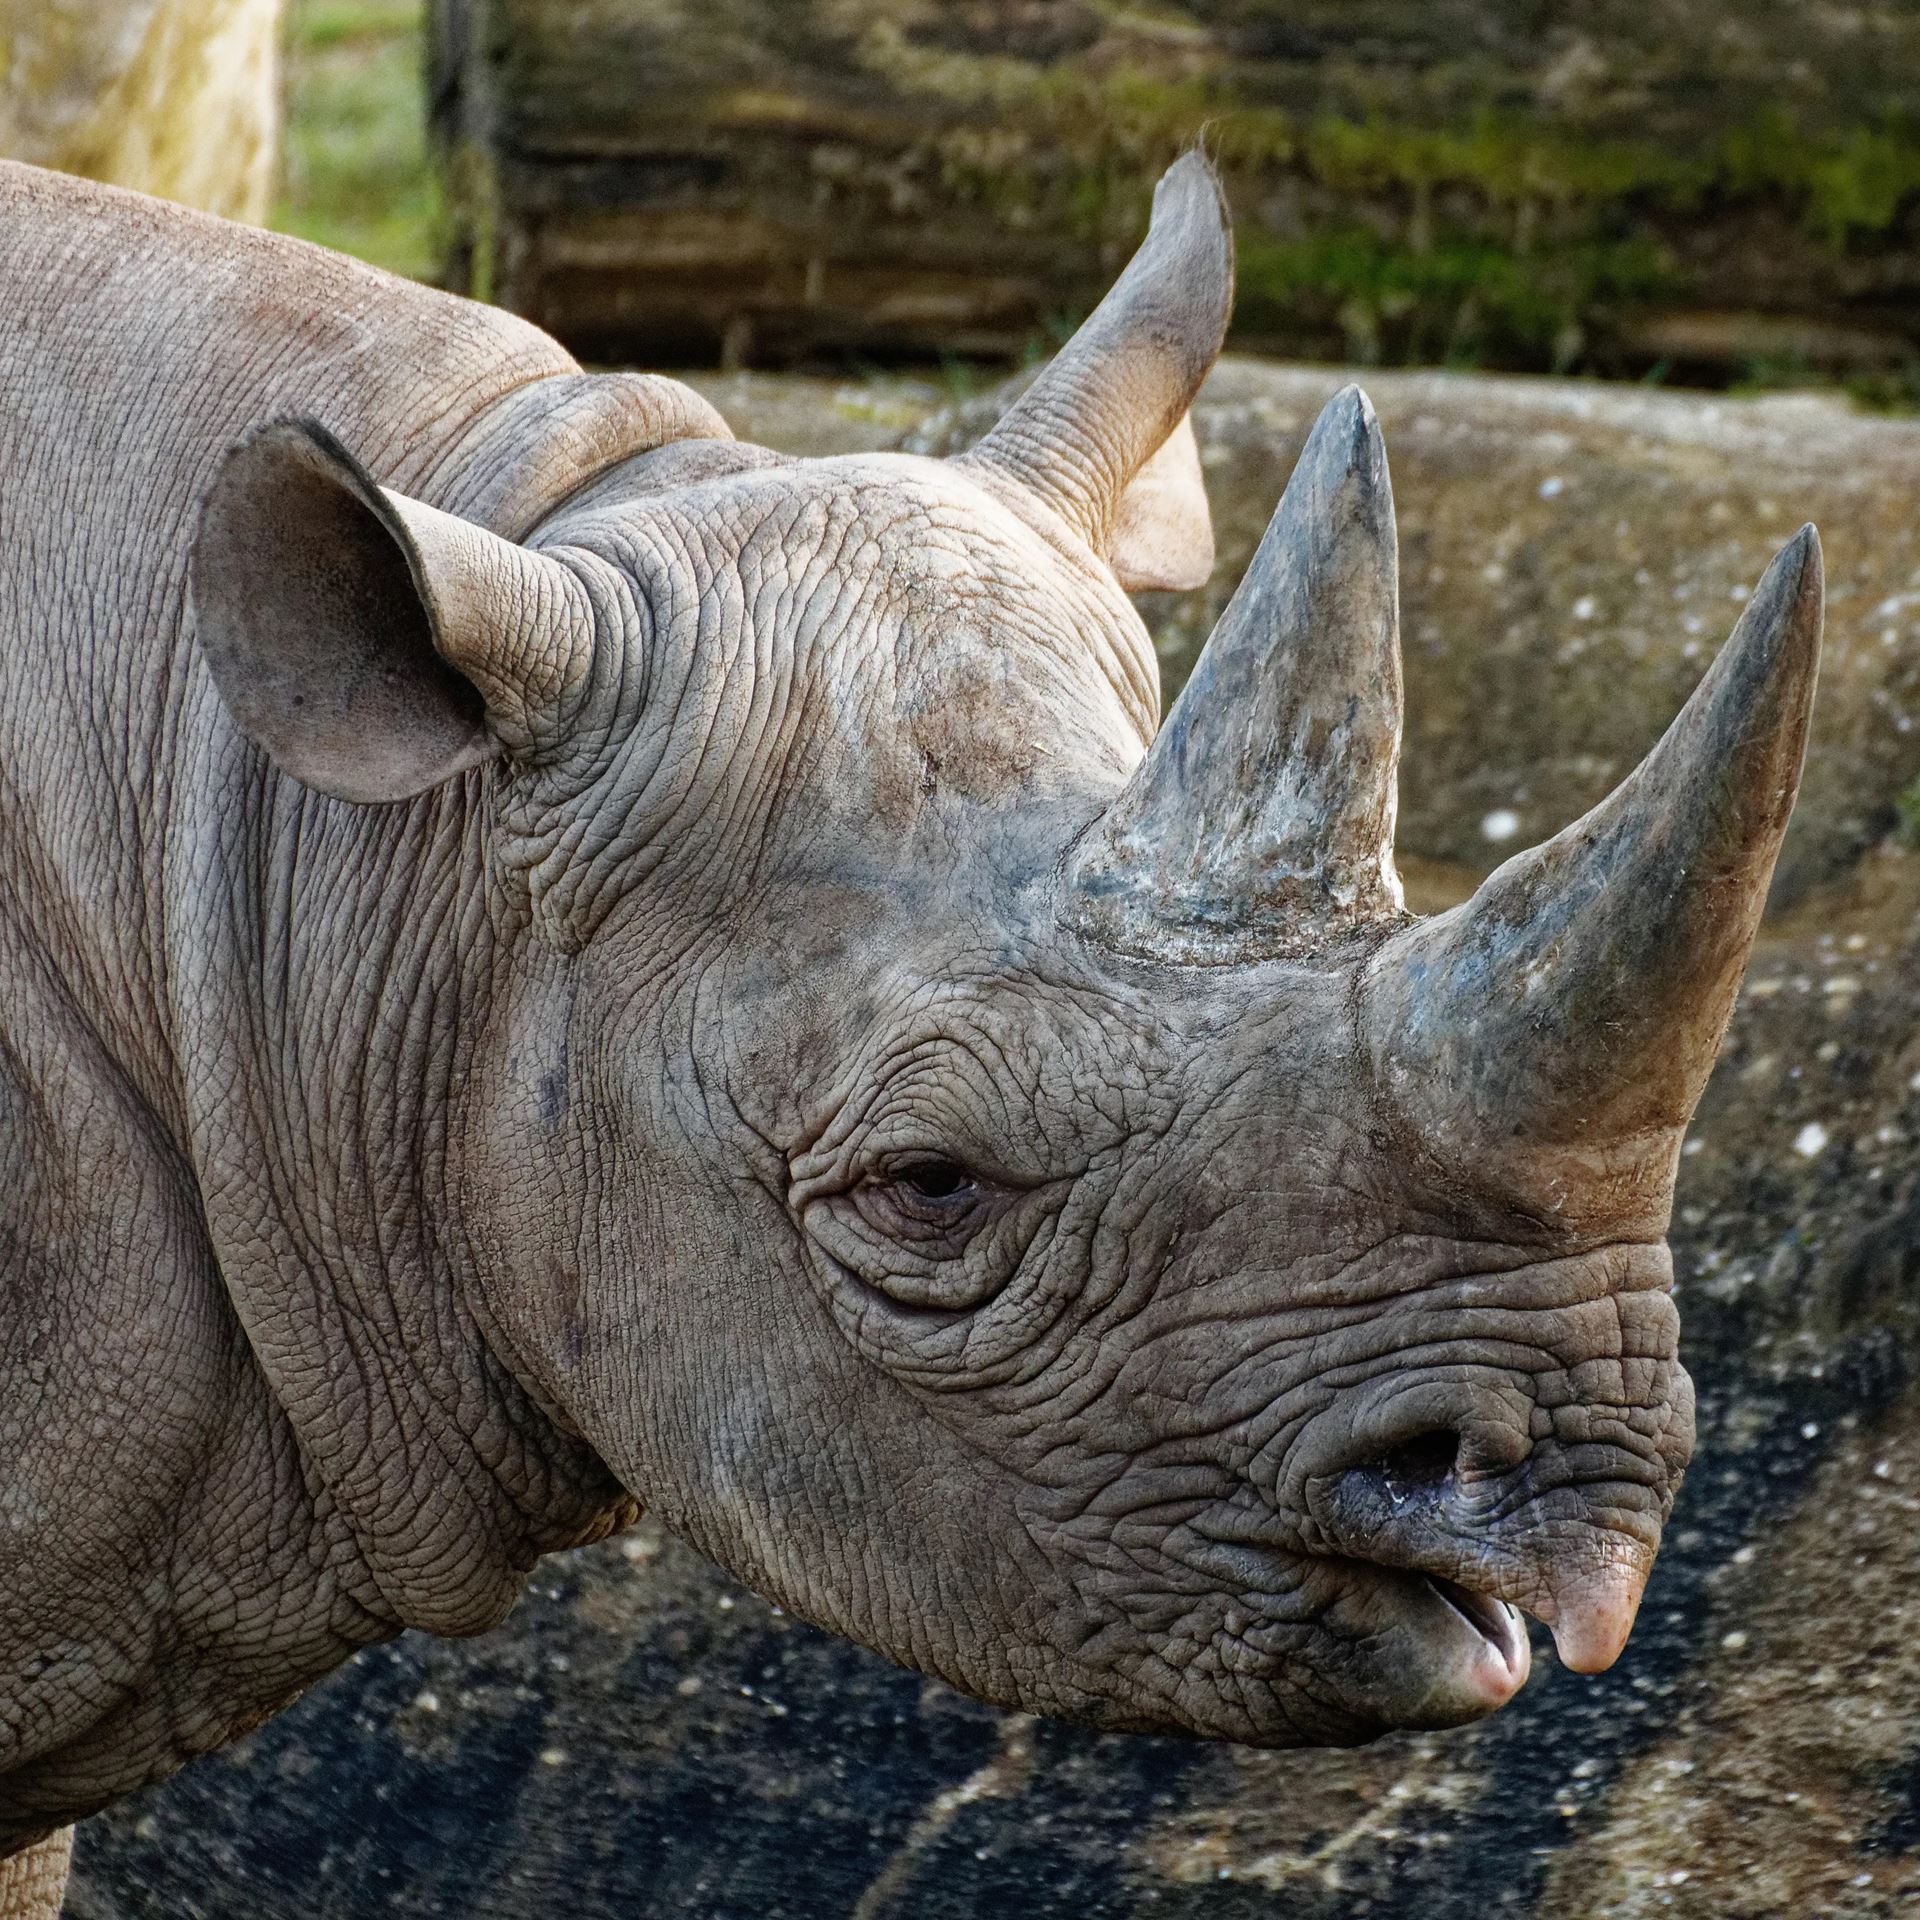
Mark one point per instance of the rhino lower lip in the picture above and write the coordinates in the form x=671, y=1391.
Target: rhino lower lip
x=1493, y=1620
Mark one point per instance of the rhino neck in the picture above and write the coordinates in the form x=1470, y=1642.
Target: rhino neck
x=326, y=1013
x=334, y=1008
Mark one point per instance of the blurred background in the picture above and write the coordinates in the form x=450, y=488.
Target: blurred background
x=1633, y=287
x=1639, y=189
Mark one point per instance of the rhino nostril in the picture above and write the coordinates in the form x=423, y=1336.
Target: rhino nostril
x=1420, y=1467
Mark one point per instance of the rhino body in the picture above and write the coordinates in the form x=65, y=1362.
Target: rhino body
x=553, y=960
x=159, y=1482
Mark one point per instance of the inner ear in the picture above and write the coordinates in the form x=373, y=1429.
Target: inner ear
x=313, y=606
x=1162, y=537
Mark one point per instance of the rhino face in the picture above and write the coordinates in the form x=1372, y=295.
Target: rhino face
x=1028, y=1199
x=1276, y=1426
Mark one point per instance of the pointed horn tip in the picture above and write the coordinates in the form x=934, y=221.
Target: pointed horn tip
x=1807, y=559
x=1797, y=571
x=1784, y=618
x=1801, y=565
x=1353, y=395
x=1346, y=439
x=1349, y=412
x=1190, y=185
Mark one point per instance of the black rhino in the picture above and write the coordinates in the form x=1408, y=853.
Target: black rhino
x=554, y=961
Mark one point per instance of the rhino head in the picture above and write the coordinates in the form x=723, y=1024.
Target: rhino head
x=1018, y=1189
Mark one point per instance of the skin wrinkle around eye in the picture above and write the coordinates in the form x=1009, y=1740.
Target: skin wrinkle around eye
x=897, y=1313
x=960, y=1070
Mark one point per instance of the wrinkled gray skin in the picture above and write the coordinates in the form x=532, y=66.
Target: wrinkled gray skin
x=611, y=967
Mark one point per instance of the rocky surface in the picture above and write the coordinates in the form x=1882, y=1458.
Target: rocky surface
x=644, y=1737
x=1627, y=184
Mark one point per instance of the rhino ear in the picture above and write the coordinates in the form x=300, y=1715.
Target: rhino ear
x=1162, y=537
x=370, y=645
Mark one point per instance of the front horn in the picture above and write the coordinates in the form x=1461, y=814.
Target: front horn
x=1555, y=1031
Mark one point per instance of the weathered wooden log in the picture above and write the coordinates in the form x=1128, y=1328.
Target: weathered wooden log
x=173, y=97
x=1710, y=190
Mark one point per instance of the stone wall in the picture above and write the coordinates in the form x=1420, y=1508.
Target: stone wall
x=172, y=97
x=1626, y=185
x=644, y=1737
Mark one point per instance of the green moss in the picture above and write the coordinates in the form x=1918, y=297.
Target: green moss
x=313, y=26
x=1842, y=183
x=1496, y=240
x=1845, y=184
x=961, y=379
x=1502, y=160
x=354, y=172
x=1892, y=390
x=1861, y=186
x=1896, y=390
x=1456, y=297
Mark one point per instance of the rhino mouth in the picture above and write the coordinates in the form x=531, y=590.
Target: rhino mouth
x=1425, y=1650
x=1497, y=1623
x=1440, y=1654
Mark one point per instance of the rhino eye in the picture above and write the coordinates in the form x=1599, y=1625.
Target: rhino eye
x=925, y=1199
x=935, y=1180
x=927, y=1231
